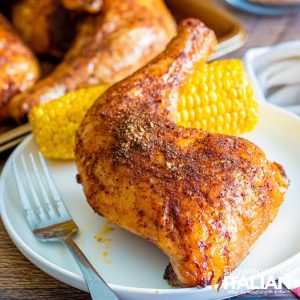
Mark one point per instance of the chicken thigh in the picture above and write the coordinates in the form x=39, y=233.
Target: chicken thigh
x=202, y=198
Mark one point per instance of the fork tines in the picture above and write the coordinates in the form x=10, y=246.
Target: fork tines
x=38, y=194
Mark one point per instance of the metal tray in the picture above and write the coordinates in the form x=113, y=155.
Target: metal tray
x=230, y=32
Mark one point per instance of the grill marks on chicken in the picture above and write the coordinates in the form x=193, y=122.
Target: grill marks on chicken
x=107, y=48
x=203, y=198
x=18, y=67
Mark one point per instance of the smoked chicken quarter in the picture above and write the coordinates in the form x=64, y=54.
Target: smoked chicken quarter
x=202, y=198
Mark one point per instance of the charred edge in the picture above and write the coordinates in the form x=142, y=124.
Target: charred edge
x=170, y=276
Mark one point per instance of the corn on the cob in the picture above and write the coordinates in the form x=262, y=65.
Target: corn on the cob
x=218, y=97
x=54, y=123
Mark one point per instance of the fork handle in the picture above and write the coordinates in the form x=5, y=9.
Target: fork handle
x=98, y=288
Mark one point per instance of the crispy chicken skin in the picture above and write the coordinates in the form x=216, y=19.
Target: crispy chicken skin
x=108, y=47
x=203, y=198
x=18, y=67
x=91, y=6
x=46, y=26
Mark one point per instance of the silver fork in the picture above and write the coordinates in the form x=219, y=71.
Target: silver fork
x=49, y=219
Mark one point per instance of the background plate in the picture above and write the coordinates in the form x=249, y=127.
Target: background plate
x=264, y=10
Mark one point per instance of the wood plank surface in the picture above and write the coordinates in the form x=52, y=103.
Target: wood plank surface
x=19, y=279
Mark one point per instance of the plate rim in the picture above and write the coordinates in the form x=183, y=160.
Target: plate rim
x=265, y=10
x=47, y=266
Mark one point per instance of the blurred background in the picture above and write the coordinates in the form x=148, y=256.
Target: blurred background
x=265, y=25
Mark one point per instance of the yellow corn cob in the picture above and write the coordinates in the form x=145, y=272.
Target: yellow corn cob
x=217, y=97
x=54, y=123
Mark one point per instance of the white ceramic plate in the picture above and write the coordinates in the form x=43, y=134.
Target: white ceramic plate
x=135, y=267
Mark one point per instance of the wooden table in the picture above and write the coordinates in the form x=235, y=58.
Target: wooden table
x=19, y=279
